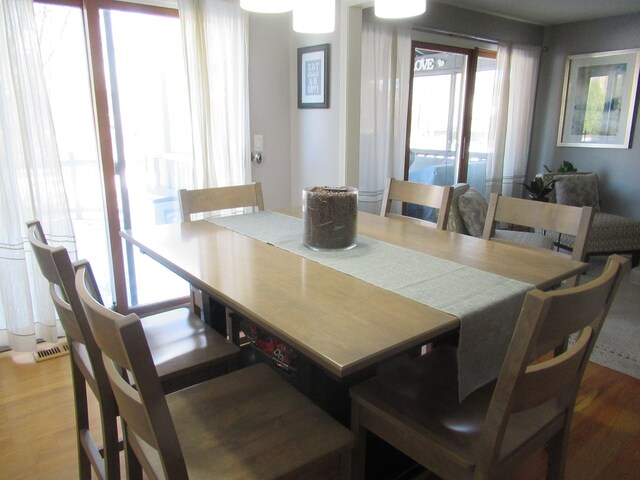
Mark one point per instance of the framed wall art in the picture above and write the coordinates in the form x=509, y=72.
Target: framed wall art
x=313, y=76
x=598, y=99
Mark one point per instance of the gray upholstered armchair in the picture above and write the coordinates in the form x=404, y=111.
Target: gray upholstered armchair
x=609, y=233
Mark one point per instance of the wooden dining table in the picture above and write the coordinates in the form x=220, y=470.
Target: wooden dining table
x=345, y=327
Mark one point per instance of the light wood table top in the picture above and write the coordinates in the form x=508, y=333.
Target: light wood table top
x=339, y=322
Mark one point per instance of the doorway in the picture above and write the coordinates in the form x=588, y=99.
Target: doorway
x=451, y=96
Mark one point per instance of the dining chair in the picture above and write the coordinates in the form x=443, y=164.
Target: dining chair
x=415, y=407
x=184, y=349
x=432, y=196
x=549, y=217
x=217, y=199
x=248, y=424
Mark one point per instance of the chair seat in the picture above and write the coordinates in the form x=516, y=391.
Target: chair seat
x=181, y=343
x=255, y=426
x=420, y=399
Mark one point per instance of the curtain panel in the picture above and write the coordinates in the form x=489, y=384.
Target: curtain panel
x=384, y=104
x=215, y=38
x=32, y=184
x=512, y=118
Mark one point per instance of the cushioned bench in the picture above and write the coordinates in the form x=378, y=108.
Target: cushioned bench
x=610, y=233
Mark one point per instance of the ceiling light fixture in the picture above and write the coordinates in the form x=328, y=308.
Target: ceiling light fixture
x=399, y=8
x=267, y=6
x=314, y=16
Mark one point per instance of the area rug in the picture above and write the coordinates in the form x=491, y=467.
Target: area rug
x=618, y=345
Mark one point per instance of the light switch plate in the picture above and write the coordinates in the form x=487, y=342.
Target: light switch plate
x=258, y=143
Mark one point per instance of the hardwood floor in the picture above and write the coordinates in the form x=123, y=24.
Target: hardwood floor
x=37, y=438
x=605, y=432
x=37, y=434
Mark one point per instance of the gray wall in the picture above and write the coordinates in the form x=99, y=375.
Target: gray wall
x=450, y=19
x=618, y=169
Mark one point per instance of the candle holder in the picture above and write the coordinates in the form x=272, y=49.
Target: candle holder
x=330, y=217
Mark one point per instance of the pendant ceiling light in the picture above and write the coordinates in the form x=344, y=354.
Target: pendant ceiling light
x=267, y=6
x=399, y=8
x=314, y=16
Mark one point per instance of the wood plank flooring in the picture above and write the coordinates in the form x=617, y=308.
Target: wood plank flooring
x=37, y=424
x=37, y=434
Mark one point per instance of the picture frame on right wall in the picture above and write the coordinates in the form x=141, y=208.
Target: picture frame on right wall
x=598, y=99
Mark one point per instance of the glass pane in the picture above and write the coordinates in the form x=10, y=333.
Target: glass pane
x=602, y=86
x=61, y=36
x=435, y=120
x=481, y=119
x=151, y=131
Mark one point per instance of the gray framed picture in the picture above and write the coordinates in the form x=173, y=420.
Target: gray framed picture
x=598, y=99
x=313, y=76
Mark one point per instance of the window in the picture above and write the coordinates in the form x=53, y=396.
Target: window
x=125, y=172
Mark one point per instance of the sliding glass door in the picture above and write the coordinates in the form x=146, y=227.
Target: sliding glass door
x=436, y=113
x=449, y=113
x=123, y=129
x=149, y=124
x=64, y=57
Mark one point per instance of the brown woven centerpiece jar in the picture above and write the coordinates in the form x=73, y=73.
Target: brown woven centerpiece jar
x=330, y=217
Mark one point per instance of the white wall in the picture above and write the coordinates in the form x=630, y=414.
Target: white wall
x=300, y=145
x=314, y=131
x=269, y=88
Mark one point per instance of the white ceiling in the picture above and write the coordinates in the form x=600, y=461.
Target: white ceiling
x=549, y=12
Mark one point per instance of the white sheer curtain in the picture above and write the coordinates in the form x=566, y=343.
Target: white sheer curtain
x=31, y=177
x=384, y=103
x=216, y=50
x=512, y=117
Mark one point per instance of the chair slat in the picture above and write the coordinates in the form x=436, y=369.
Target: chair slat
x=546, y=380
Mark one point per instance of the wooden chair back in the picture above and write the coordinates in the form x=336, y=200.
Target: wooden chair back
x=217, y=199
x=86, y=362
x=532, y=380
x=149, y=430
x=563, y=219
x=415, y=406
x=433, y=196
x=220, y=198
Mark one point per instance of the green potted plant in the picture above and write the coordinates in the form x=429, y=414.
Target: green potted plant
x=538, y=190
x=566, y=167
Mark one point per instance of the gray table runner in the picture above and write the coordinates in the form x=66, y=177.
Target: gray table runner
x=487, y=304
